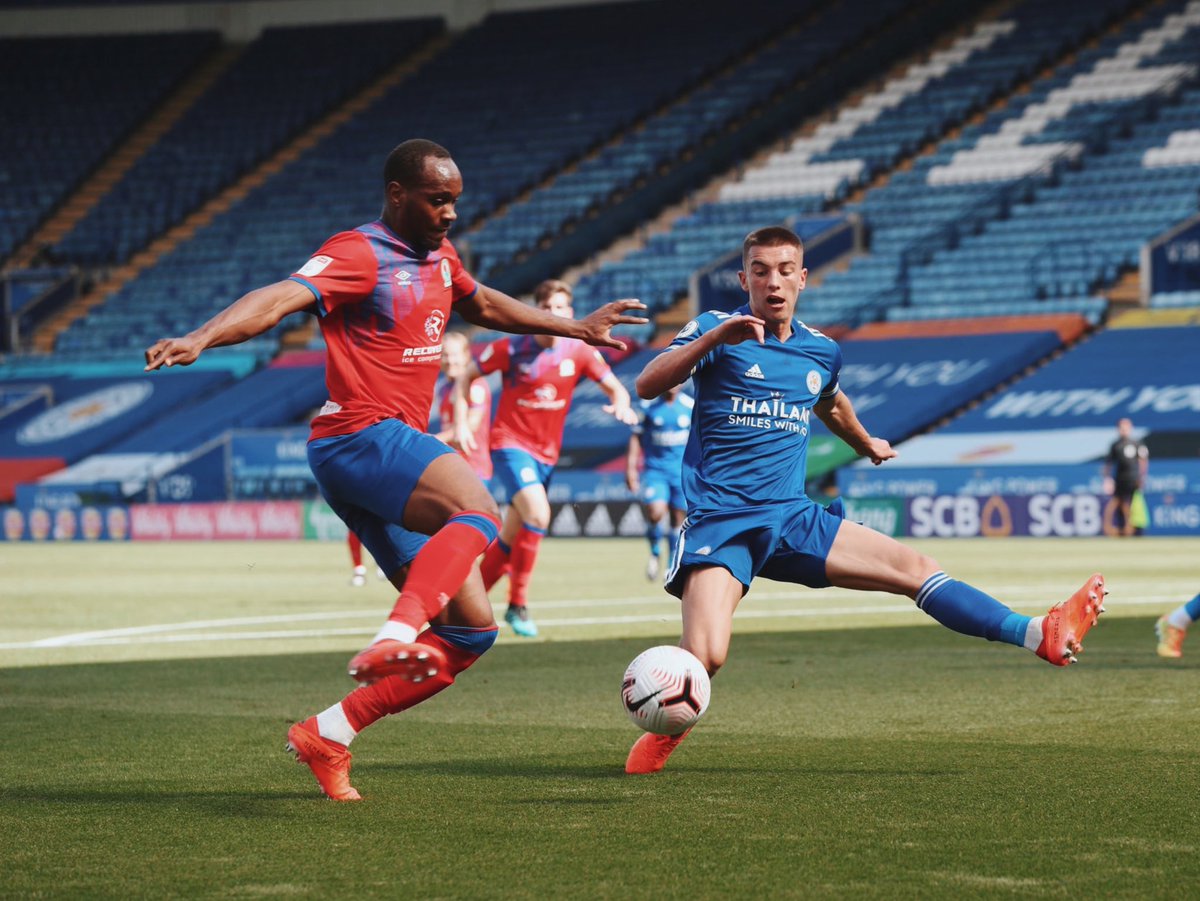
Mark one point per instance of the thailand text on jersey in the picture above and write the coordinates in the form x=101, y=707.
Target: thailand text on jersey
x=383, y=307
x=537, y=388
x=753, y=405
x=663, y=432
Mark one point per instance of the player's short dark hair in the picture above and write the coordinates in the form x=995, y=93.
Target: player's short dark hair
x=548, y=288
x=772, y=236
x=406, y=163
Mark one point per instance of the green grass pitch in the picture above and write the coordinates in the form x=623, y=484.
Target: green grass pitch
x=852, y=749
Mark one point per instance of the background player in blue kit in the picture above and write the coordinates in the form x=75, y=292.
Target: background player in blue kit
x=658, y=440
x=759, y=374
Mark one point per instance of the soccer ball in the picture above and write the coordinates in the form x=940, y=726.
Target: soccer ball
x=665, y=691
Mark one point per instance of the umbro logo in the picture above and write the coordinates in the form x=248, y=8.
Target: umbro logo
x=403, y=278
x=754, y=372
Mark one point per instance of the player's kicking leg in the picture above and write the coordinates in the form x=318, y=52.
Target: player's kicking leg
x=449, y=504
x=462, y=633
x=864, y=559
x=710, y=596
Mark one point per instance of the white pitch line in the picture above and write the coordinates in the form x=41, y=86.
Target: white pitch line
x=164, y=632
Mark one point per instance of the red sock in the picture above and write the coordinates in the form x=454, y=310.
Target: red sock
x=524, y=555
x=495, y=563
x=355, y=548
x=441, y=567
x=369, y=703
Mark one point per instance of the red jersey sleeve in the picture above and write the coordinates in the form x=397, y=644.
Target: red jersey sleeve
x=343, y=270
x=494, y=357
x=595, y=367
x=460, y=282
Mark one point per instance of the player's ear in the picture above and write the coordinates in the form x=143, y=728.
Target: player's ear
x=742, y=279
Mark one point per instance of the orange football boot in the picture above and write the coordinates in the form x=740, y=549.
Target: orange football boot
x=650, y=752
x=1065, y=625
x=414, y=662
x=1170, y=638
x=328, y=760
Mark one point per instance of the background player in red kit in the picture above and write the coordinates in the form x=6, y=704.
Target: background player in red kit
x=540, y=374
x=383, y=292
x=456, y=356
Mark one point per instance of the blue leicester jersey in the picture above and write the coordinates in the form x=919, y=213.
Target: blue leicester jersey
x=663, y=432
x=749, y=437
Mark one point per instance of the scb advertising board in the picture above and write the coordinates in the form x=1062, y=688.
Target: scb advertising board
x=1058, y=501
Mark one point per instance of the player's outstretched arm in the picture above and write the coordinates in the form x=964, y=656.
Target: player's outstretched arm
x=674, y=366
x=838, y=414
x=618, y=400
x=465, y=422
x=496, y=310
x=248, y=316
x=633, y=456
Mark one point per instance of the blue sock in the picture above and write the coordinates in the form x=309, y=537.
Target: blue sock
x=959, y=606
x=654, y=535
x=1193, y=608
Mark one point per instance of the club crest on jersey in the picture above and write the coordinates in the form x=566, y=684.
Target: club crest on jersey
x=813, y=381
x=689, y=329
x=444, y=268
x=434, y=323
x=566, y=368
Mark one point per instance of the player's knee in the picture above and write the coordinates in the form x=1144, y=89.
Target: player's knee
x=712, y=658
x=474, y=641
x=538, y=518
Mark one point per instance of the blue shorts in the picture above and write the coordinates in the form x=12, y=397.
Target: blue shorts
x=515, y=469
x=367, y=478
x=660, y=486
x=786, y=542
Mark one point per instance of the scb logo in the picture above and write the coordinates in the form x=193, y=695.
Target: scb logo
x=1039, y=515
x=1065, y=515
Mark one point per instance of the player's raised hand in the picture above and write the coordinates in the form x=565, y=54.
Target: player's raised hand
x=622, y=412
x=171, y=352
x=737, y=329
x=879, y=450
x=599, y=323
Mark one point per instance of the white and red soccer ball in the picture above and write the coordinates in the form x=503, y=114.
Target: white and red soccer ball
x=665, y=690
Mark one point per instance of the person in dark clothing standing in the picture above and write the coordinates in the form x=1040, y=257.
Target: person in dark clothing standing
x=1124, y=470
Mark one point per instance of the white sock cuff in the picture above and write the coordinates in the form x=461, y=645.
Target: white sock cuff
x=1033, y=634
x=395, y=631
x=334, y=725
x=1179, y=618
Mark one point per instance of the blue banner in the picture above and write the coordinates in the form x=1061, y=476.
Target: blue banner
x=900, y=386
x=1036, y=501
x=202, y=478
x=90, y=414
x=1147, y=374
x=1175, y=260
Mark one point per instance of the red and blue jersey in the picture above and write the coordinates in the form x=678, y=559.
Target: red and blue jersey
x=537, y=388
x=383, y=307
x=479, y=398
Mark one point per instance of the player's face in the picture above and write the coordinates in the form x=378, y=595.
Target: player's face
x=559, y=304
x=454, y=358
x=425, y=211
x=774, y=278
